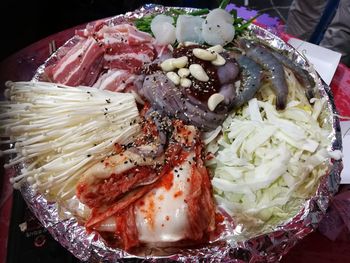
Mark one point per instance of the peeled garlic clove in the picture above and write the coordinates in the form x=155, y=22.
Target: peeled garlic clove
x=216, y=48
x=214, y=100
x=173, y=77
x=198, y=72
x=180, y=62
x=219, y=61
x=185, y=82
x=183, y=72
x=167, y=65
x=204, y=54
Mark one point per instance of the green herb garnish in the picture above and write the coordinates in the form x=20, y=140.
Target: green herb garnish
x=224, y=4
x=240, y=25
x=144, y=23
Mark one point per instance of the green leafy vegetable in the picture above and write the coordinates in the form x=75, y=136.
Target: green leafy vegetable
x=233, y=12
x=224, y=4
x=144, y=23
x=199, y=12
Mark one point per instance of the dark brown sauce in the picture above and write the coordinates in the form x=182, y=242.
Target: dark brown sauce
x=199, y=89
x=150, y=68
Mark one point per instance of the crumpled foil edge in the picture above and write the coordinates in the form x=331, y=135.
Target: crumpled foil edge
x=268, y=247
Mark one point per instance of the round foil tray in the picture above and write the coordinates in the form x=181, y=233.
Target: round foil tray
x=265, y=247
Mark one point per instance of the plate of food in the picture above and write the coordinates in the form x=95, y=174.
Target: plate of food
x=174, y=133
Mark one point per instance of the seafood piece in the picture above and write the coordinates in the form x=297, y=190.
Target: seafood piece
x=301, y=74
x=164, y=128
x=250, y=83
x=167, y=98
x=229, y=93
x=228, y=72
x=190, y=102
x=271, y=64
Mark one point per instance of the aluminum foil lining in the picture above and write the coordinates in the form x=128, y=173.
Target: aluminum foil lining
x=267, y=247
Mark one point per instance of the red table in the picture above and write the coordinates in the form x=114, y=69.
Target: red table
x=22, y=65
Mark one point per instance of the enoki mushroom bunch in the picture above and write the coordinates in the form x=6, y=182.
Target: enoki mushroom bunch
x=58, y=132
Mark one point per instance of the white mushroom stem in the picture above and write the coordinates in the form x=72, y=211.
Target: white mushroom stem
x=60, y=131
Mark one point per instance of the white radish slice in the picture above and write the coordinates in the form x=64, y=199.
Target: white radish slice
x=161, y=19
x=163, y=29
x=219, y=14
x=189, y=29
x=217, y=29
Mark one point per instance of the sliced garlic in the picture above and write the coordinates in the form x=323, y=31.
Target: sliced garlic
x=214, y=100
x=198, y=72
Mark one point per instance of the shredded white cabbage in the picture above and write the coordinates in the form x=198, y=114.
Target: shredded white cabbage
x=267, y=160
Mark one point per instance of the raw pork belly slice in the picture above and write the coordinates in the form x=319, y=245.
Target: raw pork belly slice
x=126, y=48
x=80, y=66
x=101, y=51
x=116, y=80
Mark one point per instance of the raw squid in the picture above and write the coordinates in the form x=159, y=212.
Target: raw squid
x=190, y=104
x=167, y=98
